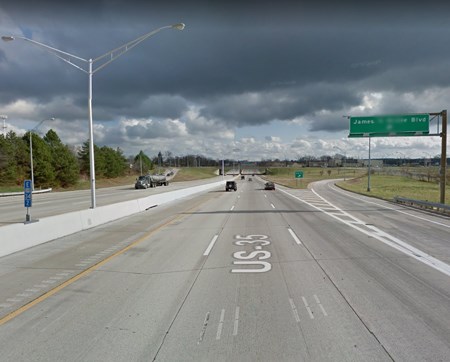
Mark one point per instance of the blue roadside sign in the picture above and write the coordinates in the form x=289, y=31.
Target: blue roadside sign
x=27, y=193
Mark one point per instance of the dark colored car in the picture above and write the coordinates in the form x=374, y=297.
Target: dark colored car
x=231, y=185
x=250, y=179
x=269, y=186
x=242, y=177
x=142, y=182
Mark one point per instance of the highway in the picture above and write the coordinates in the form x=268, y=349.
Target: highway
x=12, y=208
x=253, y=275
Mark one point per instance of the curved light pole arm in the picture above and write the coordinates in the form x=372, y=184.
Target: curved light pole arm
x=66, y=57
x=119, y=51
x=37, y=126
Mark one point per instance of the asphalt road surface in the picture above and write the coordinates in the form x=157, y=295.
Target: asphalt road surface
x=252, y=275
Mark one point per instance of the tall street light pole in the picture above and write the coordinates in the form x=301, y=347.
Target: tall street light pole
x=4, y=124
x=345, y=155
x=31, y=149
x=104, y=59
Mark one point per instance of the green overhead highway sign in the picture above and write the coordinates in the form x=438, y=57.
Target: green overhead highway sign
x=298, y=174
x=390, y=125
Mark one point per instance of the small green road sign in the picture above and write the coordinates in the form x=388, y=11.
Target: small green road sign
x=298, y=174
x=390, y=125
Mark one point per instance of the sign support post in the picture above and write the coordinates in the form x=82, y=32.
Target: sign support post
x=443, y=156
x=28, y=198
x=298, y=175
x=368, y=171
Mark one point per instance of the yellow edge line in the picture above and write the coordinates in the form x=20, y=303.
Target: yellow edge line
x=55, y=290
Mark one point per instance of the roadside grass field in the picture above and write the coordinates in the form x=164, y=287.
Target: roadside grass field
x=387, y=187
x=285, y=175
x=6, y=189
x=83, y=184
x=195, y=173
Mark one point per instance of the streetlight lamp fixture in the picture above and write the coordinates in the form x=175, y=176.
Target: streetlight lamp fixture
x=31, y=149
x=105, y=60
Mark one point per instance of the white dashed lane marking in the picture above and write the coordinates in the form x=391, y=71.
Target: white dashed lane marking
x=219, y=328
x=295, y=237
x=210, y=246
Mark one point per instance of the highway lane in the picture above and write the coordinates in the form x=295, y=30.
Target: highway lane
x=12, y=208
x=251, y=275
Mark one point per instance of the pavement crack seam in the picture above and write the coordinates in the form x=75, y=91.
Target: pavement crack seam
x=188, y=292
x=205, y=325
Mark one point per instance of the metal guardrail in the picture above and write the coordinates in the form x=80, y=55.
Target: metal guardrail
x=433, y=206
x=20, y=193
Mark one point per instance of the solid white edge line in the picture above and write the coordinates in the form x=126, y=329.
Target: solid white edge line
x=210, y=246
x=297, y=240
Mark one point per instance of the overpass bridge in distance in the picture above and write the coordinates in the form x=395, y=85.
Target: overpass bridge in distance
x=249, y=172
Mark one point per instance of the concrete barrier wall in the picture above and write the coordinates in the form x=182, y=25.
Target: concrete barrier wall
x=21, y=236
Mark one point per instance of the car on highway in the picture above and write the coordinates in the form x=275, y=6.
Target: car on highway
x=250, y=179
x=230, y=185
x=269, y=186
x=242, y=177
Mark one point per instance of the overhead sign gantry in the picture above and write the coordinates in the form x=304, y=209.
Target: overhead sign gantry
x=390, y=125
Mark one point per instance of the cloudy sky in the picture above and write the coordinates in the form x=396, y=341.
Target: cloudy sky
x=244, y=80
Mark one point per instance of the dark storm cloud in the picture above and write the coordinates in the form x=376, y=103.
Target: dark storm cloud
x=259, y=108
x=245, y=63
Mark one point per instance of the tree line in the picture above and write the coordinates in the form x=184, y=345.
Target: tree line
x=54, y=163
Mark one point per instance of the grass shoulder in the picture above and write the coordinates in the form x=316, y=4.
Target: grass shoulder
x=387, y=187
